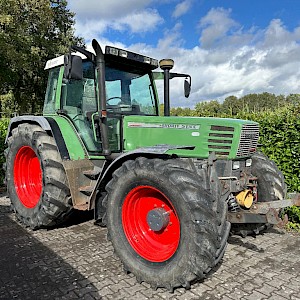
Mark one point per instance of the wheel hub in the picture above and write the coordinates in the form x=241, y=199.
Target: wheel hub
x=151, y=224
x=158, y=219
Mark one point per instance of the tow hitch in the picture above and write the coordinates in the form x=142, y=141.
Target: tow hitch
x=264, y=212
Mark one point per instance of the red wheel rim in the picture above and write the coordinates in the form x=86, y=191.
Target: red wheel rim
x=155, y=246
x=28, y=177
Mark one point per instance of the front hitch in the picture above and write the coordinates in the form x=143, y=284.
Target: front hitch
x=264, y=212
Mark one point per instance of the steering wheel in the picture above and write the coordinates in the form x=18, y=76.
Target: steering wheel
x=111, y=98
x=76, y=116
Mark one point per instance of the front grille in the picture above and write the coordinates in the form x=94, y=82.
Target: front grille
x=221, y=128
x=226, y=135
x=248, y=140
x=220, y=139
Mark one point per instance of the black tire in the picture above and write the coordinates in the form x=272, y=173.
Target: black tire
x=203, y=226
x=271, y=187
x=54, y=202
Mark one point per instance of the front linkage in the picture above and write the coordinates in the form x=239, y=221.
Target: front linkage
x=264, y=212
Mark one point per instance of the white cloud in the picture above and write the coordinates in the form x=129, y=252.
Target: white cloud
x=105, y=9
x=182, y=8
x=258, y=61
x=216, y=25
x=230, y=60
x=138, y=21
x=96, y=17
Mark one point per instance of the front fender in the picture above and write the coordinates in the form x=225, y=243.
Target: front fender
x=150, y=152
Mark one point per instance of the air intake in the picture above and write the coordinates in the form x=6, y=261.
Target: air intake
x=220, y=139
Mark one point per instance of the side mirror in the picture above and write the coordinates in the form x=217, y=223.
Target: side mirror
x=187, y=82
x=187, y=88
x=73, y=67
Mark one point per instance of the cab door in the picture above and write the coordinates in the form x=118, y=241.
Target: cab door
x=79, y=103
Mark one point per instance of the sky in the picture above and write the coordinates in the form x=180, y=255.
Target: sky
x=229, y=47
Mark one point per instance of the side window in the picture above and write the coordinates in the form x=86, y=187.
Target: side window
x=113, y=92
x=78, y=96
x=49, y=106
x=142, y=94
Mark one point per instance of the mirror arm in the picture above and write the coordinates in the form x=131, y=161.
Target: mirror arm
x=173, y=75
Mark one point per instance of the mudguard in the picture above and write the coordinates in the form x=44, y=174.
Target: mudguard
x=42, y=121
x=153, y=151
x=48, y=124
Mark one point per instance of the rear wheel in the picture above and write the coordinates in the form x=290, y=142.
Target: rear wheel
x=271, y=187
x=35, y=177
x=165, y=224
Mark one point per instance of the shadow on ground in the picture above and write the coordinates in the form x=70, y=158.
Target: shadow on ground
x=239, y=241
x=30, y=270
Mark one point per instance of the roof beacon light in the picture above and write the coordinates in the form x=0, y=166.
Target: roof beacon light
x=166, y=64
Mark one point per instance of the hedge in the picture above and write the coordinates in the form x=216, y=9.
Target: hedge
x=280, y=140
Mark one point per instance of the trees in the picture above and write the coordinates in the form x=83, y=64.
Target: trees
x=208, y=108
x=31, y=32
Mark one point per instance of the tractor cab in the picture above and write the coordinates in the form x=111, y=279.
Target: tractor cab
x=95, y=92
x=129, y=90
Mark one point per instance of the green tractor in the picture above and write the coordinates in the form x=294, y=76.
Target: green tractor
x=167, y=188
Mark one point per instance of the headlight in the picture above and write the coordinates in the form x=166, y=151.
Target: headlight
x=248, y=162
x=235, y=165
x=123, y=53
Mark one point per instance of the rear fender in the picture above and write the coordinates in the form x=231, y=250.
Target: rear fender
x=14, y=122
x=48, y=124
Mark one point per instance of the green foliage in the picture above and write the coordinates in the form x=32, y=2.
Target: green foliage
x=294, y=213
x=232, y=106
x=294, y=218
x=293, y=226
x=6, y=105
x=31, y=33
x=208, y=108
x=179, y=111
x=3, y=129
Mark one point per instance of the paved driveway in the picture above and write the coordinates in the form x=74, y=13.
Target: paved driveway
x=77, y=262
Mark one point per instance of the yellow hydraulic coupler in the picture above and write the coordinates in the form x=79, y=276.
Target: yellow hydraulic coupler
x=245, y=198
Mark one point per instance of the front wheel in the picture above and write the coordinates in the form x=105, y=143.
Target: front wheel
x=165, y=225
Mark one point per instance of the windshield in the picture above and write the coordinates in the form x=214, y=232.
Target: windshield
x=129, y=93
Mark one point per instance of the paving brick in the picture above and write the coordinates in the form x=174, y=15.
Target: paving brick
x=276, y=282
x=267, y=289
x=276, y=297
x=77, y=262
x=255, y=295
x=286, y=292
